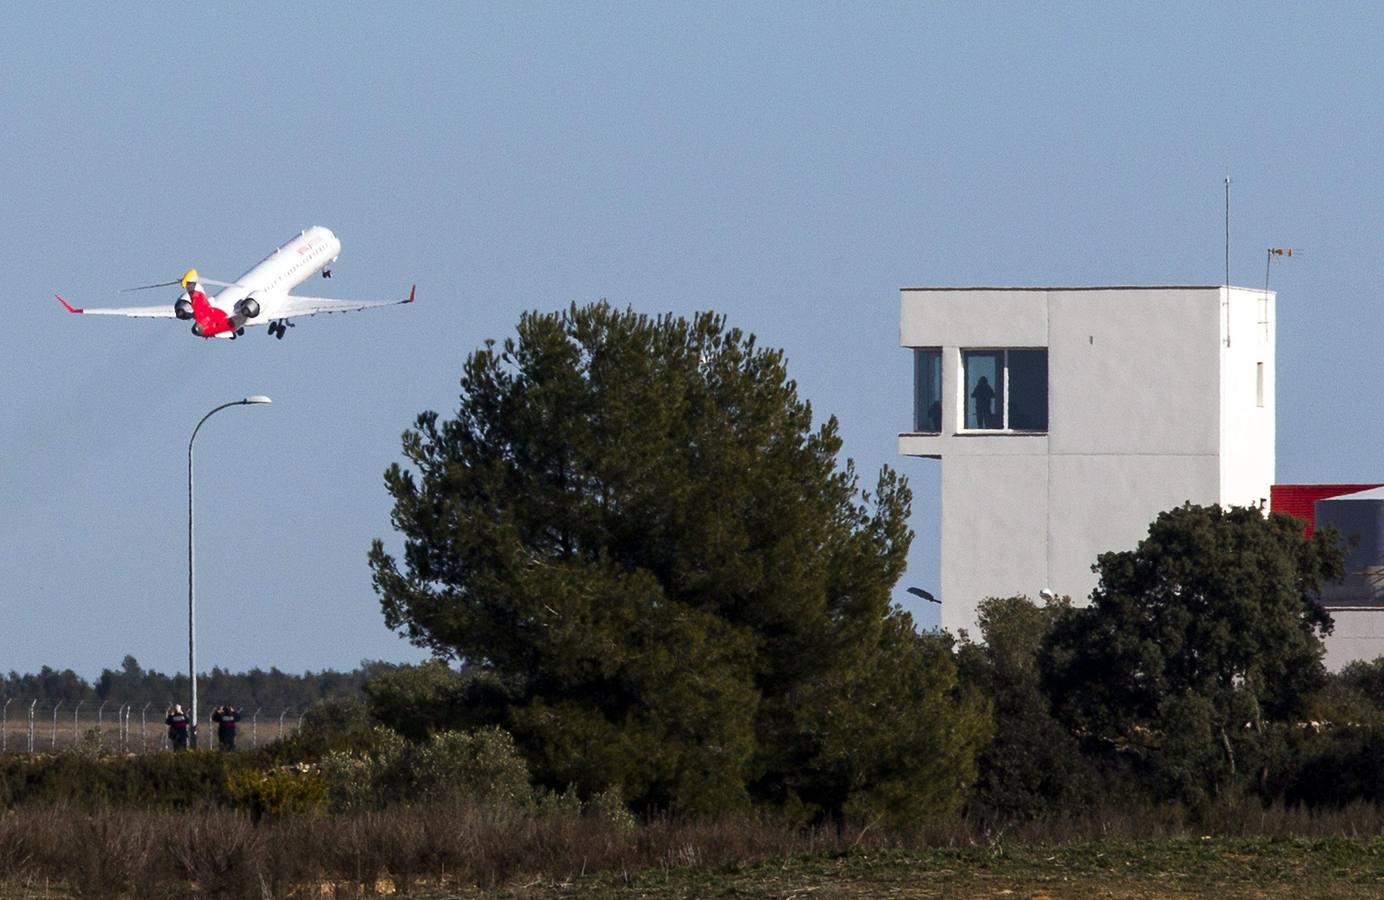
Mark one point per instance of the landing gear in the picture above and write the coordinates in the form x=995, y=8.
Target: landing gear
x=326, y=273
x=277, y=328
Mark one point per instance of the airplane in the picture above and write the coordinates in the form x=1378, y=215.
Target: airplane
x=259, y=297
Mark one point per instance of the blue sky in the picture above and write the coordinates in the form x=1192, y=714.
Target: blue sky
x=789, y=165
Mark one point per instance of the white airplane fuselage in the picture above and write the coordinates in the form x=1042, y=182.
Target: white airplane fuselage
x=268, y=282
x=261, y=296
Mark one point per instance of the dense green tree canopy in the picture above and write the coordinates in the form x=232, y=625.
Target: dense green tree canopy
x=632, y=524
x=1210, y=623
x=1032, y=765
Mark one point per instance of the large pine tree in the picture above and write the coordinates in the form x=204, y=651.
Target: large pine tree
x=632, y=525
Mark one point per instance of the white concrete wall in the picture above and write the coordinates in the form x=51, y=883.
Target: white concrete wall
x=1138, y=382
x=1359, y=634
x=994, y=532
x=1103, y=502
x=1246, y=428
x=1134, y=371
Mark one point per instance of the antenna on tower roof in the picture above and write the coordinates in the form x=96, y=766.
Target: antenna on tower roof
x=1227, y=229
x=1277, y=251
x=1227, y=259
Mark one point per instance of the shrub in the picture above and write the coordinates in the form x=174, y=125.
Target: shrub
x=340, y=723
x=286, y=790
x=610, y=806
x=151, y=780
x=483, y=764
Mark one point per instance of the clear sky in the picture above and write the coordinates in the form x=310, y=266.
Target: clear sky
x=791, y=165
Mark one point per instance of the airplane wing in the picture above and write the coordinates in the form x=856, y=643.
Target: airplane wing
x=164, y=311
x=293, y=306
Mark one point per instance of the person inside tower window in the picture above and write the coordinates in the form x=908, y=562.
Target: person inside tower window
x=984, y=396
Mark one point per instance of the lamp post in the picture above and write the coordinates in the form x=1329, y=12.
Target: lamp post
x=192, y=566
x=919, y=592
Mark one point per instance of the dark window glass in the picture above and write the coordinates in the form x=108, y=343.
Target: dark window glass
x=927, y=391
x=1028, y=390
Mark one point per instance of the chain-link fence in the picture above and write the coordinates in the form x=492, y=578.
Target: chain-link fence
x=43, y=726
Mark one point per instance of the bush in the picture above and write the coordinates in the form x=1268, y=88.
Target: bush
x=151, y=780
x=1032, y=766
x=283, y=791
x=418, y=701
x=483, y=765
x=1338, y=767
x=341, y=723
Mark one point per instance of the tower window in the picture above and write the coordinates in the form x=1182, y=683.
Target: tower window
x=927, y=390
x=1006, y=390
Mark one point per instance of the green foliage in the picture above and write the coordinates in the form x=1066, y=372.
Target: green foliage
x=1196, y=643
x=633, y=527
x=894, y=737
x=483, y=765
x=609, y=806
x=150, y=780
x=420, y=700
x=341, y=723
x=287, y=790
x=1338, y=766
x=1033, y=765
x=1355, y=695
x=91, y=744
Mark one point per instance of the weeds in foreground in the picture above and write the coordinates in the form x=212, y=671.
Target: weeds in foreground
x=216, y=852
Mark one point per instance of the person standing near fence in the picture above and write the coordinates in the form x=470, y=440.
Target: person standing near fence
x=225, y=718
x=177, y=727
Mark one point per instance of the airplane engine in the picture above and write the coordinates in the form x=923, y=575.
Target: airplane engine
x=249, y=307
x=183, y=308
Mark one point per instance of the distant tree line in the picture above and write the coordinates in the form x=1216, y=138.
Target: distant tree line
x=130, y=683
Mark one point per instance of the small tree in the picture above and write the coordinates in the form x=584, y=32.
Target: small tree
x=1033, y=765
x=1197, y=641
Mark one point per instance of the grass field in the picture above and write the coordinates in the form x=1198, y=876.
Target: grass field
x=462, y=849
x=1346, y=868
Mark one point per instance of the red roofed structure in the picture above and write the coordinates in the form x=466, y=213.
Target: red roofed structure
x=1299, y=500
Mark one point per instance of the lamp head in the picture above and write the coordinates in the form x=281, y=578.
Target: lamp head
x=919, y=592
x=256, y=398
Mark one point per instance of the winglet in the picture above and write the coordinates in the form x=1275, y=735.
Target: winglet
x=411, y=291
x=68, y=306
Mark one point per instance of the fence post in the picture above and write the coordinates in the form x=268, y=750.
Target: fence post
x=143, y=737
x=31, y=727
x=281, y=722
x=122, y=724
x=54, y=743
x=254, y=727
x=5, y=725
x=102, y=708
x=77, y=729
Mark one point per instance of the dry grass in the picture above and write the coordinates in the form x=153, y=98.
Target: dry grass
x=459, y=849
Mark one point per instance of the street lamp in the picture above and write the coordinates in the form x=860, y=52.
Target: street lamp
x=919, y=592
x=192, y=565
